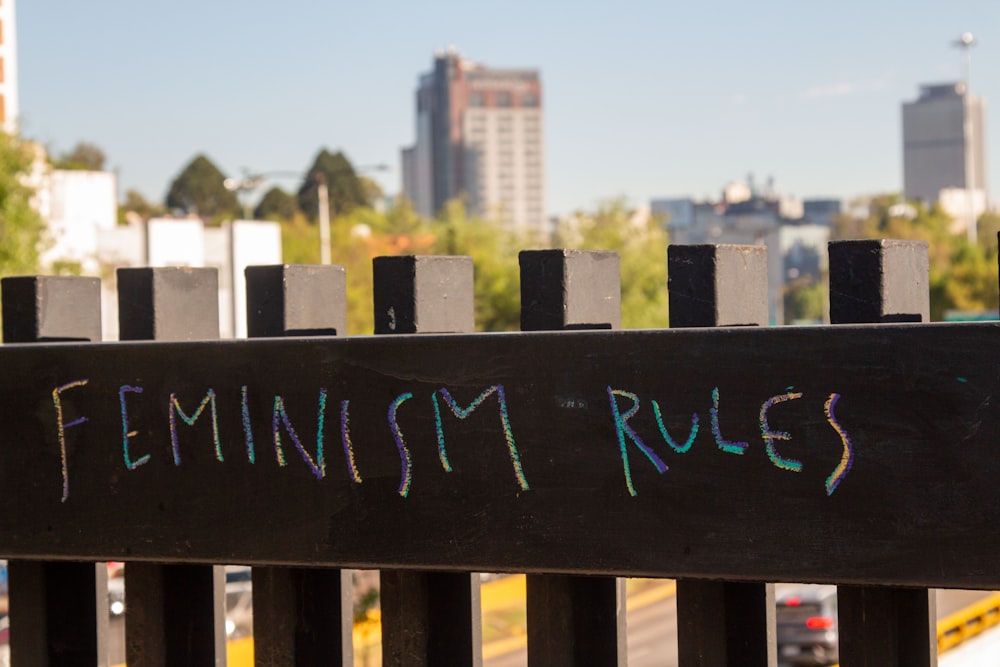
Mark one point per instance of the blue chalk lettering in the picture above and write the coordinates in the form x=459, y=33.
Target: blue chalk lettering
x=126, y=433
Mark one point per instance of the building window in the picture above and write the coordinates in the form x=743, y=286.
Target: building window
x=529, y=100
x=503, y=99
x=476, y=100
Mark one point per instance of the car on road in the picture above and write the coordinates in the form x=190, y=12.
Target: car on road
x=806, y=620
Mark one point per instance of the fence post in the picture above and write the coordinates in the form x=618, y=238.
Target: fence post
x=573, y=619
x=58, y=610
x=883, y=281
x=721, y=623
x=175, y=614
x=428, y=618
x=301, y=616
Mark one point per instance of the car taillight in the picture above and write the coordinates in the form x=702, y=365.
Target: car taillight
x=792, y=602
x=819, y=622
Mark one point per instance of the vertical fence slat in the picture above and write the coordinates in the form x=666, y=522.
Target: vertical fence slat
x=573, y=620
x=882, y=281
x=175, y=614
x=721, y=623
x=58, y=610
x=301, y=616
x=427, y=618
x=885, y=625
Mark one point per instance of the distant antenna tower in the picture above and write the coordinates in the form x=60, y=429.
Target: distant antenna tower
x=964, y=43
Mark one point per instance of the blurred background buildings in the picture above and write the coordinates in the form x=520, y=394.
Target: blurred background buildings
x=479, y=135
x=944, y=155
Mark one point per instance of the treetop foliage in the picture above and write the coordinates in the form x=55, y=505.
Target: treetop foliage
x=136, y=204
x=84, y=157
x=346, y=191
x=199, y=190
x=21, y=227
x=277, y=205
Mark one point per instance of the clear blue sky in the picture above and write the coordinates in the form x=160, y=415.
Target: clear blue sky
x=642, y=98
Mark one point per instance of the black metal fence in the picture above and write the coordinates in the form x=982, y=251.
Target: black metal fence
x=575, y=452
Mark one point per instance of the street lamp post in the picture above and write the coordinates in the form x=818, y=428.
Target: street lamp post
x=324, y=218
x=248, y=183
x=324, y=209
x=252, y=182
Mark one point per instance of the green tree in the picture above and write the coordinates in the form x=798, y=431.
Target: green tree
x=344, y=188
x=276, y=204
x=805, y=301
x=136, y=204
x=363, y=234
x=988, y=228
x=84, y=156
x=21, y=227
x=199, y=190
x=373, y=191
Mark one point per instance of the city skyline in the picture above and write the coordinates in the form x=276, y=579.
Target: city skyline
x=642, y=100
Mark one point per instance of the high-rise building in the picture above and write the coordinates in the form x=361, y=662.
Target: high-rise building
x=943, y=145
x=8, y=67
x=479, y=137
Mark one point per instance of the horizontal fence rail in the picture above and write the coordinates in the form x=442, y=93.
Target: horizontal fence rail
x=722, y=453
x=639, y=453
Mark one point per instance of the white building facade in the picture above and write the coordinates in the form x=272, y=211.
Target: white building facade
x=229, y=248
x=76, y=206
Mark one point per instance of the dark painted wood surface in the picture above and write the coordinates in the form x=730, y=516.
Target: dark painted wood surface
x=428, y=618
x=59, y=610
x=915, y=401
x=884, y=625
x=576, y=620
x=883, y=281
x=720, y=623
x=175, y=612
x=572, y=619
x=301, y=616
x=725, y=623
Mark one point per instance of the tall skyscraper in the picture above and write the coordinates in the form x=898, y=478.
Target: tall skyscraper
x=480, y=137
x=943, y=145
x=8, y=67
